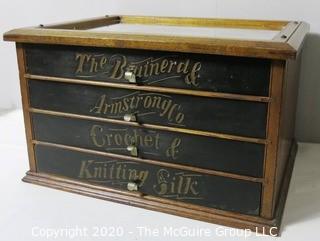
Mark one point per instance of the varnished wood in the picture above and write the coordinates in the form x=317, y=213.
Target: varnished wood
x=277, y=75
x=287, y=121
x=284, y=184
x=274, y=50
x=187, y=212
x=249, y=48
x=25, y=105
x=204, y=22
x=86, y=23
x=151, y=126
x=162, y=201
x=212, y=215
x=284, y=50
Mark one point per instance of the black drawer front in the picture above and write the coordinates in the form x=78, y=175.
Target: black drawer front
x=193, y=150
x=235, y=117
x=187, y=71
x=185, y=186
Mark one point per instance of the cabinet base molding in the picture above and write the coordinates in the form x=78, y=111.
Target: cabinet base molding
x=256, y=224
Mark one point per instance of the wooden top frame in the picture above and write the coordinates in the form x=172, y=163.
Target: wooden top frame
x=284, y=45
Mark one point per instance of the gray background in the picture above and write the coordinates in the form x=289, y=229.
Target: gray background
x=15, y=13
x=308, y=113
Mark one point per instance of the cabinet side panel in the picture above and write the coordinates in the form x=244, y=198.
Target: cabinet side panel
x=270, y=165
x=25, y=104
x=287, y=123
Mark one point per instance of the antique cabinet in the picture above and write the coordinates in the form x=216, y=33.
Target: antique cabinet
x=193, y=117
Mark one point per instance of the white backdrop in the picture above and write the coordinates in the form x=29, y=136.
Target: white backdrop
x=15, y=13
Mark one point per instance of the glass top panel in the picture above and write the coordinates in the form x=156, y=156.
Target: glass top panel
x=205, y=32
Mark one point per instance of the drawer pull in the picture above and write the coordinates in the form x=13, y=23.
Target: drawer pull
x=133, y=150
x=129, y=117
x=132, y=186
x=131, y=77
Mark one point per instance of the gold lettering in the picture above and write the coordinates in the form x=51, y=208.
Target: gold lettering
x=125, y=104
x=128, y=140
x=84, y=169
x=191, y=78
x=183, y=67
x=157, y=138
x=116, y=172
x=165, y=106
x=143, y=175
x=147, y=102
x=139, y=71
x=98, y=105
x=176, y=185
x=154, y=69
x=171, y=65
x=179, y=117
x=180, y=183
x=97, y=171
x=148, y=141
x=172, y=151
x=93, y=64
x=118, y=69
x=193, y=188
x=156, y=102
x=111, y=171
x=161, y=187
x=108, y=138
x=90, y=63
x=103, y=62
x=81, y=58
x=164, y=65
x=93, y=135
x=171, y=111
x=118, y=139
x=145, y=72
x=132, y=174
x=116, y=107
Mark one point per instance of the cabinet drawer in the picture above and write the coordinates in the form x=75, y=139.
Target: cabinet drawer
x=237, y=75
x=184, y=186
x=192, y=150
x=235, y=117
